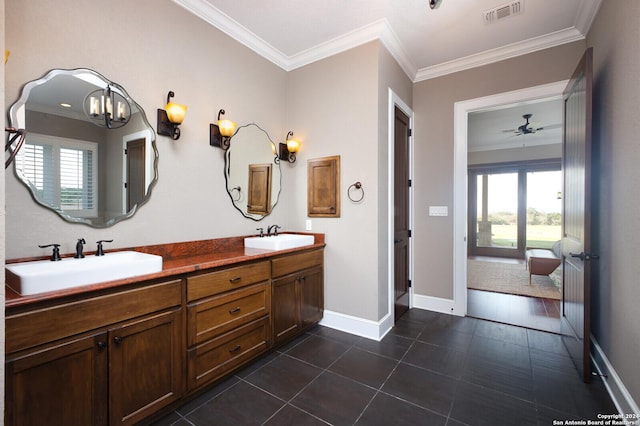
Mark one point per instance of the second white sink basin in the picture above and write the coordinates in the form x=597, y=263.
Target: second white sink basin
x=43, y=275
x=279, y=242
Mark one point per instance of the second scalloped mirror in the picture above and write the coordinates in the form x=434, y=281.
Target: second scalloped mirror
x=88, y=166
x=252, y=174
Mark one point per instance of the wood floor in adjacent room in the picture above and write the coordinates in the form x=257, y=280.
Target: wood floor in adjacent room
x=523, y=311
x=529, y=312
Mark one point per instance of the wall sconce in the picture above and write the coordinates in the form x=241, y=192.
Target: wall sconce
x=107, y=108
x=170, y=118
x=221, y=132
x=288, y=150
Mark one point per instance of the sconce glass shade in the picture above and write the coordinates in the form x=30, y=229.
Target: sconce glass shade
x=227, y=127
x=175, y=112
x=293, y=145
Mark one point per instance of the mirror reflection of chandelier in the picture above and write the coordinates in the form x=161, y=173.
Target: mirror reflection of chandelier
x=107, y=108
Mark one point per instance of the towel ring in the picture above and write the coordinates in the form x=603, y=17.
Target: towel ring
x=237, y=188
x=356, y=185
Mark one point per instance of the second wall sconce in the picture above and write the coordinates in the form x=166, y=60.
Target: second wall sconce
x=170, y=118
x=288, y=150
x=220, y=133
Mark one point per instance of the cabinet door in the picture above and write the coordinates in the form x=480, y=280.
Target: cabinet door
x=323, y=187
x=146, y=366
x=311, y=297
x=64, y=384
x=285, y=308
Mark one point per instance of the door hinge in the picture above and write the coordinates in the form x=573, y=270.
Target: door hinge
x=409, y=233
x=409, y=183
x=125, y=184
x=409, y=132
x=125, y=152
x=409, y=283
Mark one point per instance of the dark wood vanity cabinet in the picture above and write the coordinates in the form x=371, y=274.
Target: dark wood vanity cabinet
x=64, y=384
x=122, y=362
x=228, y=320
x=298, y=293
x=145, y=366
x=122, y=356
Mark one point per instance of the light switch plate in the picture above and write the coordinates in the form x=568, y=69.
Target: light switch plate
x=308, y=226
x=438, y=211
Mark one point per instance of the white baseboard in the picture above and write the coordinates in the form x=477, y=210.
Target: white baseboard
x=375, y=330
x=619, y=394
x=436, y=304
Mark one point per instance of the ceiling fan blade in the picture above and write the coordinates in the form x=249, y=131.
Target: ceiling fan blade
x=551, y=126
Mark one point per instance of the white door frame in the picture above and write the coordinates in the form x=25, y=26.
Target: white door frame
x=460, y=120
x=396, y=101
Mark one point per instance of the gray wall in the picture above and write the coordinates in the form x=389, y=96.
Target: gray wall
x=433, y=102
x=616, y=291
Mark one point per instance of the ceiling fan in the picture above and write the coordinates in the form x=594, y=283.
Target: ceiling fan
x=528, y=128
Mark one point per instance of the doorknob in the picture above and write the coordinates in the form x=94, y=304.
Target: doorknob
x=584, y=256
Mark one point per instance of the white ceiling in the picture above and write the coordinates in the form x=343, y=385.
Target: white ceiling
x=495, y=129
x=425, y=42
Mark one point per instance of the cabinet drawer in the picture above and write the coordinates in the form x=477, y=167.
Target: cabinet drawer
x=37, y=327
x=296, y=262
x=210, y=317
x=226, y=279
x=217, y=357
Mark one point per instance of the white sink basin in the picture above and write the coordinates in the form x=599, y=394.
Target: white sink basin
x=279, y=242
x=44, y=275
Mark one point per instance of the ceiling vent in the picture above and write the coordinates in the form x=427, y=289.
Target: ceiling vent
x=502, y=12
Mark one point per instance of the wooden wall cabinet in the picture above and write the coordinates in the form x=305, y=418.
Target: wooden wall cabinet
x=298, y=293
x=323, y=187
x=259, y=196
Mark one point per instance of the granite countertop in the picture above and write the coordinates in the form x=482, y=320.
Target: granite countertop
x=177, y=259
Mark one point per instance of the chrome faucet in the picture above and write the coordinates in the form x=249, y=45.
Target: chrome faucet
x=275, y=230
x=79, y=246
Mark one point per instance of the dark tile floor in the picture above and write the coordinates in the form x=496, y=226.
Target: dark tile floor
x=431, y=369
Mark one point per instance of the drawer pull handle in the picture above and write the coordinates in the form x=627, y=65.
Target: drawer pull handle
x=235, y=280
x=234, y=310
x=235, y=349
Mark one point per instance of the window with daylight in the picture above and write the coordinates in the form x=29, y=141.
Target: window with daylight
x=63, y=172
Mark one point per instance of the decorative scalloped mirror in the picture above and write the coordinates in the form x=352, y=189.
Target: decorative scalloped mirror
x=87, y=166
x=252, y=173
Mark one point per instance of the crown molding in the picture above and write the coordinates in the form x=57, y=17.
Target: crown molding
x=233, y=29
x=586, y=14
x=381, y=30
x=499, y=54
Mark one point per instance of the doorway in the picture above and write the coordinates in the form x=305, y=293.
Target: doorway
x=405, y=262
x=462, y=110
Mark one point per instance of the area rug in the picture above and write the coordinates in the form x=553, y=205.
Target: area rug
x=511, y=278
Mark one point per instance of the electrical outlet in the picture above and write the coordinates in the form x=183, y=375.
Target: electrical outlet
x=308, y=226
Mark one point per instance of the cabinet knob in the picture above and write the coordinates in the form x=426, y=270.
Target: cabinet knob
x=102, y=345
x=117, y=340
